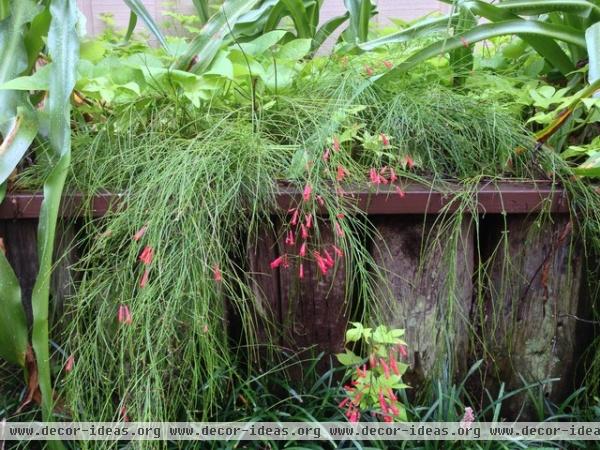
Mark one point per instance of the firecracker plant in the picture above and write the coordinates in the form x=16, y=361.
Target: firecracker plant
x=376, y=379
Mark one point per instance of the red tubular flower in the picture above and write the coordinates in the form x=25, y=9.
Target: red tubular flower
x=391, y=395
x=336, y=144
x=69, y=363
x=307, y=192
x=123, y=414
x=320, y=200
x=337, y=251
x=368, y=70
x=387, y=419
x=386, y=368
x=393, y=176
x=355, y=417
x=388, y=64
x=144, y=279
x=147, y=255
x=303, y=249
x=303, y=231
x=384, y=139
x=301, y=271
x=124, y=315
x=394, y=410
x=321, y=263
x=372, y=361
x=343, y=402
x=382, y=402
x=217, y=275
x=290, y=239
x=295, y=214
x=402, y=350
x=338, y=230
x=394, y=366
x=308, y=221
x=281, y=260
x=400, y=192
x=410, y=163
x=326, y=155
x=138, y=235
x=341, y=173
x=361, y=372
x=328, y=259
x=373, y=176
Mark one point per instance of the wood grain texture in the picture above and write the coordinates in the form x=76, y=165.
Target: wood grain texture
x=424, y=299
x=300, y=315
x=534, y=289
x=261, y=250
x=313, y=309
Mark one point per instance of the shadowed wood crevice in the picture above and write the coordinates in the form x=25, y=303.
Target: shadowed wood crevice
x=20, y=242
x=427, y=301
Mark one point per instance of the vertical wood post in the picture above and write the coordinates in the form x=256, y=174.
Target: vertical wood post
x=431, y=292
x=529, y=321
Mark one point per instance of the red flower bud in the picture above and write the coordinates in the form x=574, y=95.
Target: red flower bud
x=147, y=255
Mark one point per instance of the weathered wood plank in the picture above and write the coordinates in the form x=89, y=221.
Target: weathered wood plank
x=262, y=249
x=492, y=198
x=314, y=309
x=66, y=254
x=427, y=301
x=529, y=318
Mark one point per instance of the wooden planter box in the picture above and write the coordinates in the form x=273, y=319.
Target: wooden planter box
x=538, y=336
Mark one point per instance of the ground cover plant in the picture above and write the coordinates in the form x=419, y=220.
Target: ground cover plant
x=198, y=144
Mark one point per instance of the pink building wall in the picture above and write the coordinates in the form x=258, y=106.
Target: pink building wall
x=404, y=9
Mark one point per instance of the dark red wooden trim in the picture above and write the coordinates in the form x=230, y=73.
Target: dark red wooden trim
x=494, y=198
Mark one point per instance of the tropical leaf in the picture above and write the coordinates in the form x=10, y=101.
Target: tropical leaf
x=422, y=28
x=137, y=6
x=327, y=30
x=215, y=32
x=63, y=48
x=488, y=31
x=13, y=324
x=592, y=38
x=297, y=11
x=583, y=8
x=202, y=9
x=130, y=26
x=546, y=47
x=461, y=59
x=23, y=129
x=13, y=55
x=360, y=12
